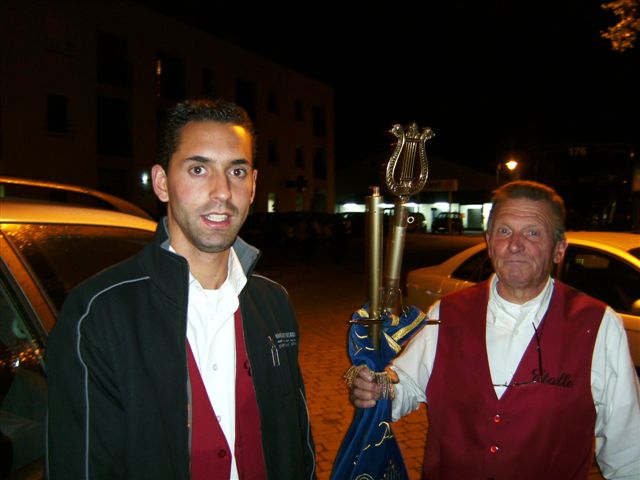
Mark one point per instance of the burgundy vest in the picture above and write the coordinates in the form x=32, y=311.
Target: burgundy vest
x=542, y=430
x=210, y=452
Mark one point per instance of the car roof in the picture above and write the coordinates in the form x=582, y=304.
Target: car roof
x=30, y=188
x=620, y=240
x=27, y=211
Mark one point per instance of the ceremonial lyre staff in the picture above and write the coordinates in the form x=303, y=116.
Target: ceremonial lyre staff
x=369, y=449
x=406, y=174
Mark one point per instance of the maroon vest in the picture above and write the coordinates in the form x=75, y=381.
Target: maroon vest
x=210, y=452
x=542, y=430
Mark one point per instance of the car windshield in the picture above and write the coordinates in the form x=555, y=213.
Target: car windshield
x=61, y=256
x=635, y=252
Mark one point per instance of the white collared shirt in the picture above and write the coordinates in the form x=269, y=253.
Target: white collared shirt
x=211, y=335
x=614, y=384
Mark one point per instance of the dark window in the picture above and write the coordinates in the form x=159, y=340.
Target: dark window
x=208, y=82
x=299, y=157
x=272, y=151
x=57, y=113
x=320, y=164
x=113, y=126
x=112, y=61
x=170, y=77
x=23, y=388
x=272, y=102
x=602, y=276
x=319, y=122
x=246, y=97
x=298, y=110
x=61, y=256
x=475, y=269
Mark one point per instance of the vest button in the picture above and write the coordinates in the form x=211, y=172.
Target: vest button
x=494, y=449
x=222, y=453
x=497, y=418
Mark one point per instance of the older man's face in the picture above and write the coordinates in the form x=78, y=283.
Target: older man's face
x=522, y=247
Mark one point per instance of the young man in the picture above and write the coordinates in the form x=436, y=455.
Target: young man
x=522, y=371
x=180, y=362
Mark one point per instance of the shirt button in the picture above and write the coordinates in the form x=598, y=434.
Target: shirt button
x=215, y=366
x=497, y=418
x=218, y=417
x=494, y=449
x=222, y=453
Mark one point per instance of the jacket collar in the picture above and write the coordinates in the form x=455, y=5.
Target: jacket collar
x=171, y=272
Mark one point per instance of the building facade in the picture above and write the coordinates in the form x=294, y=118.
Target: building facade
x=84, y=87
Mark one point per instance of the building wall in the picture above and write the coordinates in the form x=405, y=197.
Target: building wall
x=50, y=56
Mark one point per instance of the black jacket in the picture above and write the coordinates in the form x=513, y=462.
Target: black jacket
x=118, y=377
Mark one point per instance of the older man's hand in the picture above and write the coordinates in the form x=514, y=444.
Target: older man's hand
x=365, y=391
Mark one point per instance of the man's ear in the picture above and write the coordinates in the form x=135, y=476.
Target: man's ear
x=559, y=250
x=255, y=178
x=159, y=179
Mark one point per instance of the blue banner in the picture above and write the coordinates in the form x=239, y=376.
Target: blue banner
x=369, y=450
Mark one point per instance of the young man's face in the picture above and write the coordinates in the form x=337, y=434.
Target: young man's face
x=522, y=247
x=209, y=186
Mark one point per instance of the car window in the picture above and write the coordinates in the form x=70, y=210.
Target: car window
x=602, y=276
x=635, y=252
x=475, y=269
x=23, y=391
x=61, y=256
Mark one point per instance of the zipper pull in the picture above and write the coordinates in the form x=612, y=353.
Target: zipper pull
x=275, y=356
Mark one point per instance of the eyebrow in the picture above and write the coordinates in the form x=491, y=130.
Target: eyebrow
x=201, y=159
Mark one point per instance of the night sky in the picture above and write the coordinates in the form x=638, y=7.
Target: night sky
x=491, y=79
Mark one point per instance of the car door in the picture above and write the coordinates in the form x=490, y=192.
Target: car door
x=23, y=387
x=610, y=279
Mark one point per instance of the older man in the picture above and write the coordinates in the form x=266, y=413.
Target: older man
x=522, y=370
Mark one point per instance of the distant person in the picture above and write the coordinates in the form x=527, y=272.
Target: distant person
x=180, y=363
x=522, y=371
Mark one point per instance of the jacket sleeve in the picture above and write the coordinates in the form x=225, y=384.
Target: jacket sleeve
x=85, y=419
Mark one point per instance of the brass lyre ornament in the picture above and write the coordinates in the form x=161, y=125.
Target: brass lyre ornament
x=406, y=175
x=402, y=178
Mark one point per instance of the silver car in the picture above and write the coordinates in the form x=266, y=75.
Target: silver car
x=46, y=249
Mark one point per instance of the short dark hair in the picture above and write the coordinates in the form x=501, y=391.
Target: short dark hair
x=531, y=191
x=200, y=110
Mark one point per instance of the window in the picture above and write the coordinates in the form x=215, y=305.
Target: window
x=298, y=110
x=602, y=276
x=319, y=122
x=272, y=151
x=272, y=102
x=475, y=269
x=246, y=97
x=320, y=164
x=170, y=77
x=112, y=61
x=57, y=113
x=299, y=157
x=23, y=388
x=113, y=126
x=208, y=82
x=61, y=256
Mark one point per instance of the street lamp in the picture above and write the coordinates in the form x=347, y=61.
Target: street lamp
x=511, y=165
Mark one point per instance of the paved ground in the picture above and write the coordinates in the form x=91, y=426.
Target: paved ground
x=325, y=293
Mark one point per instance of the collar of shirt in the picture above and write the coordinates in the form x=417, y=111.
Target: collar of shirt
x=502, y=313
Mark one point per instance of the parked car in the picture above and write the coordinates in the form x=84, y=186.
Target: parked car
x=605, y=265
x=441, y=223
x=46, y=249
